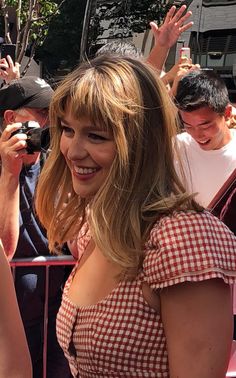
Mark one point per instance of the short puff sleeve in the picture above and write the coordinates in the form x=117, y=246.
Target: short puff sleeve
x=189, y=246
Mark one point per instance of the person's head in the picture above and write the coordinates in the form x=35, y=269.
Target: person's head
x=203, y=103
x=120, y=48
x=111, y=149
x=25, y=99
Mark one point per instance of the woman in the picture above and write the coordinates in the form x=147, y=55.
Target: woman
x=14, y=354
x=150, y=295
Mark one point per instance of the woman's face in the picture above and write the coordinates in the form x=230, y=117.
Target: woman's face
x=89, y=153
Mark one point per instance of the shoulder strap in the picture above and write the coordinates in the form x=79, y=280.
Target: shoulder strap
x=219, y=200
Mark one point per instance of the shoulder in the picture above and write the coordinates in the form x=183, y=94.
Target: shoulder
x=189, y=246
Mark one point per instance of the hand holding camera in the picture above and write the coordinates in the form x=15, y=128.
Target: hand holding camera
x=38, y=139
x=18, y=143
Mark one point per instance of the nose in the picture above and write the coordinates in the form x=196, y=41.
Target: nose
x=198, y=133
x=77, y=150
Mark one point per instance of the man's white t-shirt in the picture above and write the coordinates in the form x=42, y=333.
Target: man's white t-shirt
x=206, y=171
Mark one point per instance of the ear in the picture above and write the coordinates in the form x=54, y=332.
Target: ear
x=9, y=116
x=228, y=111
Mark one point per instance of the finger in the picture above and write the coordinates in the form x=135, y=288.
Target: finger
x=3, y=66
x=18, y=152
x=154, y=27
x=170, y=14
x=10, y=61
x=183, y=19
x=186, y=27
x=179, y=13
x=184, y=59
x=3, y=61
x=9, y=129
x=3, y=72
x=17, y=143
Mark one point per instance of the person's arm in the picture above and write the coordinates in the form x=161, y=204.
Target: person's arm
x=8, y=70
x=14, y=354
x=11, y=164
x=197, y=320
x=167, y=35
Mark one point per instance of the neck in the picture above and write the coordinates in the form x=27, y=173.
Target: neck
x=31, y=159
x=227, y=137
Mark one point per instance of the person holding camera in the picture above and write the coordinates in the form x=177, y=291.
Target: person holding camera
x=23, y=100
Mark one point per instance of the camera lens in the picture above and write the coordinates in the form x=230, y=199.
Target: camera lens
x=38, y=140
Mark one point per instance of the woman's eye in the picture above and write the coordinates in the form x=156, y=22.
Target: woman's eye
x=96, y=137
x=66, y=129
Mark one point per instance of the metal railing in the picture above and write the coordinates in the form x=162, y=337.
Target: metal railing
x=47, y=262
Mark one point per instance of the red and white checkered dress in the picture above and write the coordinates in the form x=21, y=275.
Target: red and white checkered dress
x=121, y=336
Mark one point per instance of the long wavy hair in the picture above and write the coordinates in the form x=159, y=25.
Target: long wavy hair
x=125, y=96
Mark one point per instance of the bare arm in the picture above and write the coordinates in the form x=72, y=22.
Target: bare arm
x=14, y=354
x=167, y=35
x=11, y=165
x=197, y=319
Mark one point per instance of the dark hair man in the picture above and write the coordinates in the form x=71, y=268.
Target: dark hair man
x=208, y=146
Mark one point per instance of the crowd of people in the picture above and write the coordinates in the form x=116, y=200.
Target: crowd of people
x=128, y=193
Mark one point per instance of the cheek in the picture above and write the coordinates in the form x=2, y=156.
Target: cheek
x=63, y=145
x=110, y=158
x=103, y=154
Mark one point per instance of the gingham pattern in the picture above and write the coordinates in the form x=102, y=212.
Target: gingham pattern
x=189, y=247
x=122, y=336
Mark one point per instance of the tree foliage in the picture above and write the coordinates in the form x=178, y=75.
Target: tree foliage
x=119, y=19
x=61, y=48
x=26, y=22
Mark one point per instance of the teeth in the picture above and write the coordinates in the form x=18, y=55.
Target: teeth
x=84, y=171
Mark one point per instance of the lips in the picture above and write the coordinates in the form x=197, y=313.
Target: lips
x=203, y=141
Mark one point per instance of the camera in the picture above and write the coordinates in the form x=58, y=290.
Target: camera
x=38, y=139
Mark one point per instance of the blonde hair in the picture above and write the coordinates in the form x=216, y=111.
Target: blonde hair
x=125, y=96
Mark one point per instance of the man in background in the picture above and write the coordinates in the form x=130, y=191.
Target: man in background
x=208, y=145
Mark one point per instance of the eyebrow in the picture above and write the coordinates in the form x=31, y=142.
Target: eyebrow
x=200, y=124
x=89, y=127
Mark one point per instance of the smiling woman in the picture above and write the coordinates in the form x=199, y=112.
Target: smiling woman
x=152, y=287
x=89, y=152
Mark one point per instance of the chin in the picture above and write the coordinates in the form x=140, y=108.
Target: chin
x=84, y=194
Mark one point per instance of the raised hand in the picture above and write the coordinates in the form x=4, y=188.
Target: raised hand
x=8, y=70
x=174, y=24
